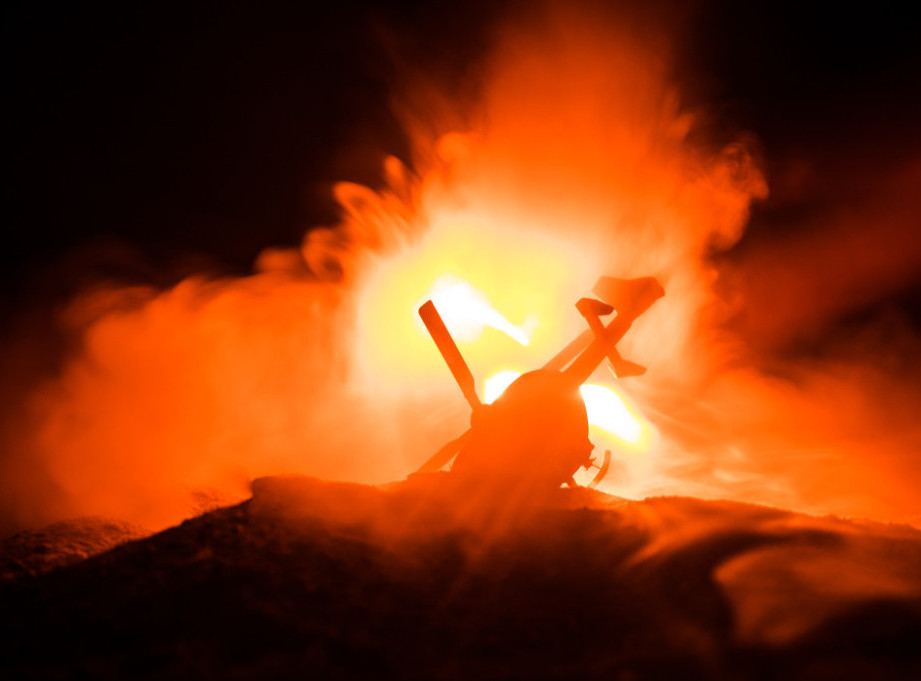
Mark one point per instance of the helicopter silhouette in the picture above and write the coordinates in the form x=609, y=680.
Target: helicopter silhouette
x=536, y=432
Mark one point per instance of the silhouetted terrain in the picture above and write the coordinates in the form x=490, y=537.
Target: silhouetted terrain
x=310, y=579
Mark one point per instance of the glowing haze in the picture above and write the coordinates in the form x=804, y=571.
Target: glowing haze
x=578, y=160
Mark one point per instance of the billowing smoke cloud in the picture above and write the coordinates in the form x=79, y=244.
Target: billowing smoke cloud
x=824, y=413
x=577, y=146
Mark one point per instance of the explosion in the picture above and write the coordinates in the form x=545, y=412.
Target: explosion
x=578, y=159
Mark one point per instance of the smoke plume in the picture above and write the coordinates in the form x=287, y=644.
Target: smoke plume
x=578, y=158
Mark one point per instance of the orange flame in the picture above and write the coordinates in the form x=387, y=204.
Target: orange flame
x=609, y=410
x=464, y=265
x=466, y=311
x=580, y=161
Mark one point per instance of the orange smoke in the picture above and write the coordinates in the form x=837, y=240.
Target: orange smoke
x=581, y=166
x=579, y=161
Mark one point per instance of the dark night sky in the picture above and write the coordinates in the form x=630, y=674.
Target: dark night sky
x=178, y=137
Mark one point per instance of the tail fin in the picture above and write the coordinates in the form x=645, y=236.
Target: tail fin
x=630, y=297
x=624, y=368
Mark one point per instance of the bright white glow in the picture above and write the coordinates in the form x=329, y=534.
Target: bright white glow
x=606, y=409
x=496, y=384
x=466, y=311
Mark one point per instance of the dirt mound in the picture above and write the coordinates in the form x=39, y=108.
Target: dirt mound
x=329, y=580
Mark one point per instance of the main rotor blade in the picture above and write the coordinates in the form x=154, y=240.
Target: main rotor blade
x=634, y=296
x=448, y=349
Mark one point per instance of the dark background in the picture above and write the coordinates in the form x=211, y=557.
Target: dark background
x=146, y=141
